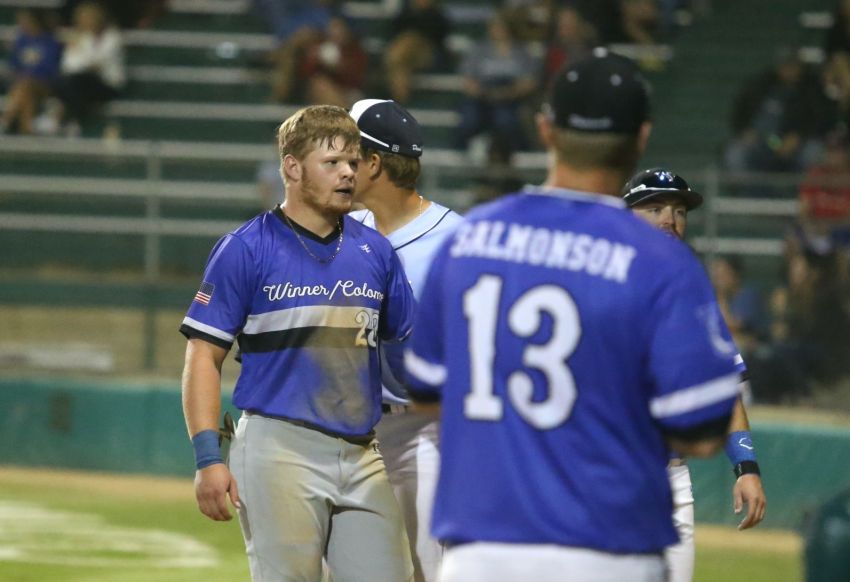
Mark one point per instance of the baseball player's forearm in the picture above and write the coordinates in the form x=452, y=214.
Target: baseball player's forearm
x=739, y=417
x=202, y=385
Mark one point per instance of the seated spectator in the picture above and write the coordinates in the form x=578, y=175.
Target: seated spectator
x=298, y=27
x=530, y=19
x=640, y=21
x=499, y=74
x=838, y=36
x=34, y=66
x=285, y=18
x=572, y=39
x=420, y=32
x=808, y=333
x=605, y=17
x=92, y=67
x=333, y=69
x=835, y=83
x=739, y=303
x=773, y=122
x=125, y=13
x=824, y=224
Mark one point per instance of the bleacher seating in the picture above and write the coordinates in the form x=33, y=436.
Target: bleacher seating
x=194, y=78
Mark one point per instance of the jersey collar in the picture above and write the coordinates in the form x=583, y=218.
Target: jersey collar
x=416, y=228
x=577, y=195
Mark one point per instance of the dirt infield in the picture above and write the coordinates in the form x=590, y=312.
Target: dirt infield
x=131, y=486
x=761, y=540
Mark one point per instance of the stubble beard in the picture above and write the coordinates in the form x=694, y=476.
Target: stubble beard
x=333, y=206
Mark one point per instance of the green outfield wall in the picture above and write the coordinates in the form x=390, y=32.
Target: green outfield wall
x=135, y=428
x=139, y=428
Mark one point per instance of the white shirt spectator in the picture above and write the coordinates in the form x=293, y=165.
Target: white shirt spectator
x=102, y=54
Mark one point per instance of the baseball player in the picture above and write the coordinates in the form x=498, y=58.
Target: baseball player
x=307, y=292
x=570, y=345
x=664, y=199
x=391, y=140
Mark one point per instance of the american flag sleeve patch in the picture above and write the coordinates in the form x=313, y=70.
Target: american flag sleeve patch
x=205, y=293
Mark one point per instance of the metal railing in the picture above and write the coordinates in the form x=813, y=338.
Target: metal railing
x=440, y=167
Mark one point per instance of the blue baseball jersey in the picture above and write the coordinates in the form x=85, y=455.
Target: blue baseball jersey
x=416, y=244
x=566, y=338
x=307, y=330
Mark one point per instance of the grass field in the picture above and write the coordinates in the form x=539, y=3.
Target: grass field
x=90, y=527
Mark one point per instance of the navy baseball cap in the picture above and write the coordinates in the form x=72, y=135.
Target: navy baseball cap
x=387, y=126
x=602, y=93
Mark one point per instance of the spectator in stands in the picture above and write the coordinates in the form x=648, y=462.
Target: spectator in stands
x=34, y=66
x=824, y=223
x=838, y=36
x=420, y=30
x=606, y=18
x=333, y=69
x=285, y=18
x=641, y=21
x=809, y=331
x=572, y=39
x=92, y=68
x=739, y=303
x=125, y=13
x=775, y=129
x=299, y=28
x=531, y=19
x=499, y=75
x=836, y=93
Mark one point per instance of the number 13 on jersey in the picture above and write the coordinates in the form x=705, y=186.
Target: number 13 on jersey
x=481, y=307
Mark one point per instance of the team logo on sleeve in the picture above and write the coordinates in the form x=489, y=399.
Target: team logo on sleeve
x=205, y=293
x=710, y=314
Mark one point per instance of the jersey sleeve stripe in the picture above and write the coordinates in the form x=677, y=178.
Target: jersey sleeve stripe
x=309, y=316
x=695, y=397
x=424, y=371
x=191, y=333
x=208, y=329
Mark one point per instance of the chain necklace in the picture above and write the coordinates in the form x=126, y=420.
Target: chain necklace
x=306, y=248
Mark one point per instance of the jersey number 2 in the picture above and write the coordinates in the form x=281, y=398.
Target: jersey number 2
x=481, y=308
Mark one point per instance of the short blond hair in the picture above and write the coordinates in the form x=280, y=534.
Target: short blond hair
x=586, y=150
x=311, y=127
x=402, y=171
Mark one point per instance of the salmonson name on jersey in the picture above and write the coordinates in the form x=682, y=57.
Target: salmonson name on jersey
x=559, y=249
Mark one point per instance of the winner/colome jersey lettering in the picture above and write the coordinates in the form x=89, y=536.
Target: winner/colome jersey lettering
x=307, y=331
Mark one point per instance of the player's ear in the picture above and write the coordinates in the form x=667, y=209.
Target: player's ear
x=291, y=169
x=545, y=129
x=376, y=165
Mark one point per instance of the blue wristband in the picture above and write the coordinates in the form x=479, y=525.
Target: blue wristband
x=207, y=451
x=739, y=447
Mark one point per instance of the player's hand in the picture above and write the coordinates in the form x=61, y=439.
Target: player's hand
x=212, y=486
x=748, y=490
